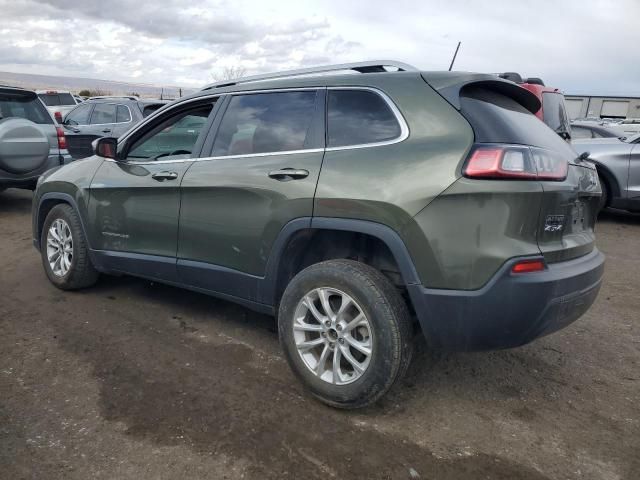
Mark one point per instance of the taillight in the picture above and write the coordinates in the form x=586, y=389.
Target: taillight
x=515, y=162
x=58, y=117
x=528, y=266
x=62, y=140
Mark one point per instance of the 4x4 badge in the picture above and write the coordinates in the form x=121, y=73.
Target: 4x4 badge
x=554, y=223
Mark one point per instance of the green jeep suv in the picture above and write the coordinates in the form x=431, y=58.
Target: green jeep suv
x=359, y=207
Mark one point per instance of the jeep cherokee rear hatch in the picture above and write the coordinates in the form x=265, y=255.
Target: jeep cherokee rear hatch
x=512, y=144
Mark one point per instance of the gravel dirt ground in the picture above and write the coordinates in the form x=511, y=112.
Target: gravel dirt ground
x=136, y=380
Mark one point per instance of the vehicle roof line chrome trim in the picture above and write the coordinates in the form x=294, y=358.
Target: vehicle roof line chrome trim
x=356, y=66
x=404, y=128
x=220, y=157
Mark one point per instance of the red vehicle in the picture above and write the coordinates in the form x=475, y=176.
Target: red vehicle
x=553, y=111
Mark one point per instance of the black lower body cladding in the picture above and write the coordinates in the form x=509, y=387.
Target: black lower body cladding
x=511, y=309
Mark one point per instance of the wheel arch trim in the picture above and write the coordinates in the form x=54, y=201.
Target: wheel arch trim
x=267, y=292
x=63, y=198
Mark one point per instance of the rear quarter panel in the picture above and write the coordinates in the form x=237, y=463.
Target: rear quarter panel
x=390, y=184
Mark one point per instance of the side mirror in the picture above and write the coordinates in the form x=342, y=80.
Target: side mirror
x=584, y=156
x=105, y=147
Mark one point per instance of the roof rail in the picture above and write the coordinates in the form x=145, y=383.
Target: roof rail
x=100, y=97
x=361, y=67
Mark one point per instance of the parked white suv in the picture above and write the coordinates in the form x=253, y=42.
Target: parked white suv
x=57, y=101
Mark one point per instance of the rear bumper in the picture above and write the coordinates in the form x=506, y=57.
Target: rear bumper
x=511, y=309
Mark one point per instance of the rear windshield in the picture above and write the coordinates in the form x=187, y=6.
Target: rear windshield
x=56, y=99
x=496, y=118
x=22, y=106
x=555, y=112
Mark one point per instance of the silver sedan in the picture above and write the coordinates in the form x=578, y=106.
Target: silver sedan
x=618, y=164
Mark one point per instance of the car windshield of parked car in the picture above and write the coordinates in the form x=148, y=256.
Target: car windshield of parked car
x=580, y=132
x=175, y=136
x=555, y=113
x=56, y=99
x=265, y=122
x=23, y=106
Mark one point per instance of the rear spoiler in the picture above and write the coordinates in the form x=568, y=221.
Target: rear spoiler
x=451, y=85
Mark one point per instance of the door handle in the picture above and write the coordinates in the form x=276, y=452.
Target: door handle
x=106, y=130
x=289, y=174
x=162, y=176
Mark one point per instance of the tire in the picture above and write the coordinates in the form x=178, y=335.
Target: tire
x=388, y=332
x=80, y=272
x=604, y=198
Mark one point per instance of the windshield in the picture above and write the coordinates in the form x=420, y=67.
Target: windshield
x=555, y=113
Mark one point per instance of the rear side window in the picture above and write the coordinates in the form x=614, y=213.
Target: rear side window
x=356, y=117
x=266, y=122
x=23, y=106
x=103, y=113
x=123, y=115
x=79, y=115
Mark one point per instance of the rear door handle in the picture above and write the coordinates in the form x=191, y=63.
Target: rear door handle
x=162, y=176
x=106, y=130
x=289, y=173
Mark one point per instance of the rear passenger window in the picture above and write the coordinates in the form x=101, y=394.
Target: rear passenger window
x=103, y=113
x=123, y=115
x=356, y=117
x=266, y=122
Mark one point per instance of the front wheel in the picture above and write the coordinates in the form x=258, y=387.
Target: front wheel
x=64, y=250
x=346, y=332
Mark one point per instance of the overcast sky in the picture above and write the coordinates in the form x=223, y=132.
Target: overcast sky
x=581, y=46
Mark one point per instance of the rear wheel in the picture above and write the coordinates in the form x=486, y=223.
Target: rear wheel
x=64, y=250
x=345, y=331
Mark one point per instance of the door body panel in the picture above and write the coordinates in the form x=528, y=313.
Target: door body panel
x=131, y=211
x=235, y=204
x=232, y=210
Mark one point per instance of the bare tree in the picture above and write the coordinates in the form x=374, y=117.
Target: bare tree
x=229, y=73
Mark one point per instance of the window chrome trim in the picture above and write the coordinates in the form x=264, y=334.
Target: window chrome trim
x=404, y=128
x=222, y=157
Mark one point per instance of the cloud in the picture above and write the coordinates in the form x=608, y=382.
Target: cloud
x=579, y=46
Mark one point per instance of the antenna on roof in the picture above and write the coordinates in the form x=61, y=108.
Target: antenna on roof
x=454, y=56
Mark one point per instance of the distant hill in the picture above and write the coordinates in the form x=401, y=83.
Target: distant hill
x=75, y=84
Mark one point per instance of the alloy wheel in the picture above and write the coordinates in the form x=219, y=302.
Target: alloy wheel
x=59, y=247
x=333, y=335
